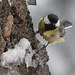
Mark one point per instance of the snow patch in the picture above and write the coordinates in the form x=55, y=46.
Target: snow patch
x=22, y=51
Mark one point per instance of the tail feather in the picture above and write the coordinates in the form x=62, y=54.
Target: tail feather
x=66, y=24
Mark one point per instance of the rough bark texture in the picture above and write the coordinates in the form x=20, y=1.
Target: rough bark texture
x=16, y=23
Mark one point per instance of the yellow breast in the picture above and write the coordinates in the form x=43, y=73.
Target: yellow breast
x=52, y=36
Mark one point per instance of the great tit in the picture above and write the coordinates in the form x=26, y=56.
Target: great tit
x=52, y=29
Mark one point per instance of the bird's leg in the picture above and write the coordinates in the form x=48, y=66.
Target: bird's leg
x=44, y=46
x=36, y=32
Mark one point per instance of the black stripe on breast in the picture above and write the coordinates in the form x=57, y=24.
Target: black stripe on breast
x=49, y=27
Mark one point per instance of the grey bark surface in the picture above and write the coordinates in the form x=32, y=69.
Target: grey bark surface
x=16, y=21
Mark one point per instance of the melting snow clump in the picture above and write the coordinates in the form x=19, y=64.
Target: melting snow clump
x=21, y=52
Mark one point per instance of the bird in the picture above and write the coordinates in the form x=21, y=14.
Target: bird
x=52, y=29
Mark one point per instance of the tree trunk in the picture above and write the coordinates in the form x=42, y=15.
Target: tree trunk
x=16, y=23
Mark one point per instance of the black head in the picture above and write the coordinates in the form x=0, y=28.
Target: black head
x=53, y=18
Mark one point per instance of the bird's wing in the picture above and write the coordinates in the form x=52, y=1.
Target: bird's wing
x=41, y=26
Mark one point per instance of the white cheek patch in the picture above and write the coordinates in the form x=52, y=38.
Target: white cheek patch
x=58, y=23
x=46, y=20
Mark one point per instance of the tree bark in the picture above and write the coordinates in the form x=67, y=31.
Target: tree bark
x=16, y=23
